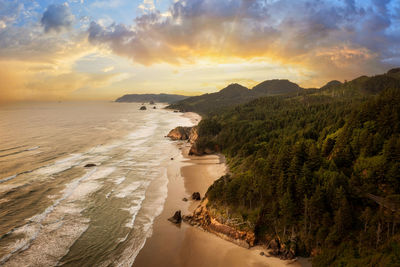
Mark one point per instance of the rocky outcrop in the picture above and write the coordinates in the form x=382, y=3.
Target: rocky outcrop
x=283, y=250
x=90, y=165
x=177, y=218
x=184, y=133
x=201, y=218
x=196, y=151
x=196, y=196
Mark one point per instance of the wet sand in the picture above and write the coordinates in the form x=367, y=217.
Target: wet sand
x=184, y=245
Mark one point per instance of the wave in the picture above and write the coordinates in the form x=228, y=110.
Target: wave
x=20, y=151
x=11, y=148
x=34, y=224
x=135, y=165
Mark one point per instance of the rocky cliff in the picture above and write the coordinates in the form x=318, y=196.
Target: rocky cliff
x=201, y=217
x=184, y=133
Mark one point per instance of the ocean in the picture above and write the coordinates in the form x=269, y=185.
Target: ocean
x=56, y=212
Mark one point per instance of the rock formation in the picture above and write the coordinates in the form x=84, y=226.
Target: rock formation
x=177, y=218
x=196, y=196
x=89, y=165
x=184, y=133
x=201, y=218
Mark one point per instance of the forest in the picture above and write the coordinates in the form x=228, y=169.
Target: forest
x=320, y=170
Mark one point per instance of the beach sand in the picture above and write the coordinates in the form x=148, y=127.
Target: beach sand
x=184, y=245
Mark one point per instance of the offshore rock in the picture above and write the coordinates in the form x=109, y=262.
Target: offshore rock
x=89, y=165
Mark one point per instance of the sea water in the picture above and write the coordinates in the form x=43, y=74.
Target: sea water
x=53, y=210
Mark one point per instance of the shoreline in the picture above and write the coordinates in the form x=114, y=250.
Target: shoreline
x=185, y=245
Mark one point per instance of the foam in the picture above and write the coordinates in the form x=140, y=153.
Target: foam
x=129, y=189
x=119, y=180
x=139, y=178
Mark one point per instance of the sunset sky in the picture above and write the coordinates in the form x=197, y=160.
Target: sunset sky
x=98, y=49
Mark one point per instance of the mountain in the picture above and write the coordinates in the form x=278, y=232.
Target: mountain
x=164, y=98
x=235, y=94
x=314, y=174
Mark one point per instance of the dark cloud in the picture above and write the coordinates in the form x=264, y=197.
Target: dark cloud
x=56, y=18
x=342, y=37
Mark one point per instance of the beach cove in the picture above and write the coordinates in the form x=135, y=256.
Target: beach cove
x=184, y=245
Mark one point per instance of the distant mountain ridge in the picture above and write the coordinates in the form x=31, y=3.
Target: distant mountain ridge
x=363, y=85
x=164, y=98
x=235, y=94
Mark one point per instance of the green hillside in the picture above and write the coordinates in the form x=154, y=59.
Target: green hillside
x=319, y=171
x=234, y=94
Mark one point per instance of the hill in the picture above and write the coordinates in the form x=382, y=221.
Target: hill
x=363, y=85
x=235, y=94
x=276, y=87
x=317, y=173
x=164, y=98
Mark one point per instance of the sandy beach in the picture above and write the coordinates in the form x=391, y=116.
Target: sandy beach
x=184, y=245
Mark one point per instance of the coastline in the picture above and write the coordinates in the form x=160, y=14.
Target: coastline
x=185, y=245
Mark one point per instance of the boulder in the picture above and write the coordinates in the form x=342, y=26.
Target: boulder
x=154, y=107
x=143, y=108
x=89, y=165
x=184, y=199
x=177, y=218
x=196, y=196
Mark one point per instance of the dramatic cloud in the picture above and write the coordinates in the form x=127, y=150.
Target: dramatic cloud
x=104, y=48
x=330, y=37
x=57, y=17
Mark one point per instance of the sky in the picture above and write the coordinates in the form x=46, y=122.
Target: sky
x=99, y=50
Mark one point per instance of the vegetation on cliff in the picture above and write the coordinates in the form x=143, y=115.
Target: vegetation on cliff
x=318, y=171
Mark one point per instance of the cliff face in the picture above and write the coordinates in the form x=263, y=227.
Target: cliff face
x=202, y=218
x=195, y=150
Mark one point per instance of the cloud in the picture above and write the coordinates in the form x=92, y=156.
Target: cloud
x=57, y=18
x=9, y=12
x=304, y=33
x=147, y=6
